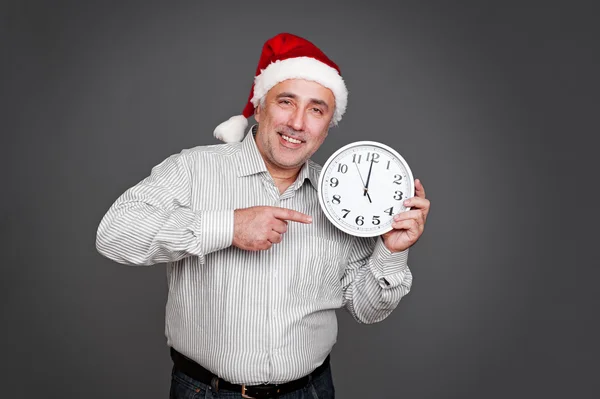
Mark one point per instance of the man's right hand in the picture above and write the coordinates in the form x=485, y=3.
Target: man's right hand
x=259, y=227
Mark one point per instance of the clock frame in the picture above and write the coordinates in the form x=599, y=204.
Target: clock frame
x=362, y=186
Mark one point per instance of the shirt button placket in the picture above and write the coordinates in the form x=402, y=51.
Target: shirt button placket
x=274, y=295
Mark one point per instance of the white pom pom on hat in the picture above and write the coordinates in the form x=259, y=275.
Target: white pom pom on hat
x=286, y=56
x=232, y=130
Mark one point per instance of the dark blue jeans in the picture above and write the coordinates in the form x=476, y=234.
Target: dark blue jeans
x=184, y=387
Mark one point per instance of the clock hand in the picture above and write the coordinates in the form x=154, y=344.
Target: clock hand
x=361, y=179
x=363, y=182
x=369, y=176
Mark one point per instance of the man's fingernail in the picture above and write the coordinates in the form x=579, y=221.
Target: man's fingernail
x=407, y=202
x=309, y=219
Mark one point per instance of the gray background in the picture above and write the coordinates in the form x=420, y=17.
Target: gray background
x=491, y=105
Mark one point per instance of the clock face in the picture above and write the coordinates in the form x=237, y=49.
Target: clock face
x=362, y=186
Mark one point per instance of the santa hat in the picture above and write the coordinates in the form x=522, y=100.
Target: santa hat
x=283, y=57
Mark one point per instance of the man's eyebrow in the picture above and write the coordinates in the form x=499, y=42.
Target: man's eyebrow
x=319, y=102
x=286, y=94
x=312, y=100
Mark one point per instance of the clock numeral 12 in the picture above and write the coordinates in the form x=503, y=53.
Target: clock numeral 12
x=375, y=157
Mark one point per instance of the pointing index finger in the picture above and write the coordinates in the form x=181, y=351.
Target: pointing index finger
x=290, y=214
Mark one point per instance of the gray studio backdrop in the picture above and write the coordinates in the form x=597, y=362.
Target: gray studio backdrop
x=487, y=103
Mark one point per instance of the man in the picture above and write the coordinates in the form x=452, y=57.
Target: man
x=255, y=271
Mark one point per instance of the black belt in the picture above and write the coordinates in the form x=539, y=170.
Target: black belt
x=199, y=373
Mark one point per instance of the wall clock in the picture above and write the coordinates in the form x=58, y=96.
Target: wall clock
x=362, y=186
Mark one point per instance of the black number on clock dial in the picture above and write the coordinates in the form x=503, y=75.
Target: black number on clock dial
x=360, y=220
x=333, y=182
x=398, y=178
x=342, y=167
x=375, y=157
x=398, y=195
x=336, y=199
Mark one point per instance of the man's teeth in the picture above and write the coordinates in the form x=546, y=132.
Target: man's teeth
x=291, y=140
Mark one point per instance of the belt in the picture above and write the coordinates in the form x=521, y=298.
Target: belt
x=199, y=373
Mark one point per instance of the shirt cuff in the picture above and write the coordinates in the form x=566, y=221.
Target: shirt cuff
x=389, y=268
x=216, y=230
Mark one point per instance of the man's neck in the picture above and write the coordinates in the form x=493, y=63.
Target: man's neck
x=283, y=178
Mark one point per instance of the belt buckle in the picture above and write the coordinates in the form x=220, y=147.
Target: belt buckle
x=244, y=393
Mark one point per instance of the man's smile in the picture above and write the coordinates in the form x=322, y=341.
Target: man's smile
x=290, y=142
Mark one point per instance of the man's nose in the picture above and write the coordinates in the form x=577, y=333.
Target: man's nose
x=296, y=120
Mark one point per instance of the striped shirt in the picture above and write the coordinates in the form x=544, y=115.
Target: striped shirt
x=248, y=316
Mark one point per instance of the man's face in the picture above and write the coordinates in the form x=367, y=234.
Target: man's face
x=293, y=123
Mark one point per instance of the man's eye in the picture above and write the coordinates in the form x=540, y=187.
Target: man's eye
x=317, y=110
x=285, y=102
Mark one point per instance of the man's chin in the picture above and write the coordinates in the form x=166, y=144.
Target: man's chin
x=290, y=164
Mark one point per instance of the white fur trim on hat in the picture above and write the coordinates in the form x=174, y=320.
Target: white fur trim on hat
x=303, y=68
x=232, y=130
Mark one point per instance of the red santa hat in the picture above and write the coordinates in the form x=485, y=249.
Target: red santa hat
x=283, y=57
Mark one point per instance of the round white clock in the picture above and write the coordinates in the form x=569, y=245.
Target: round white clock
x=362, y=186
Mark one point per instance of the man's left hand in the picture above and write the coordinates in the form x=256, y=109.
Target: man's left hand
x=409, y=225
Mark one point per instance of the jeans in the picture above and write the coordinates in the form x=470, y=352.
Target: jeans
x=184, y=387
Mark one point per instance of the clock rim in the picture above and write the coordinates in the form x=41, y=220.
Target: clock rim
x=322, y=178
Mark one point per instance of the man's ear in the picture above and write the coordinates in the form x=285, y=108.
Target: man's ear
x=257, y=113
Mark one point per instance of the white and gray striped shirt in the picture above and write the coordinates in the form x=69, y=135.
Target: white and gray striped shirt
x=249, y=317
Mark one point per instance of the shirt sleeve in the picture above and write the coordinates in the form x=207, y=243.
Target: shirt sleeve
x=375, y=280
x=152, y=222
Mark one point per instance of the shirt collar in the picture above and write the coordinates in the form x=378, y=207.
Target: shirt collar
x=250, y=162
